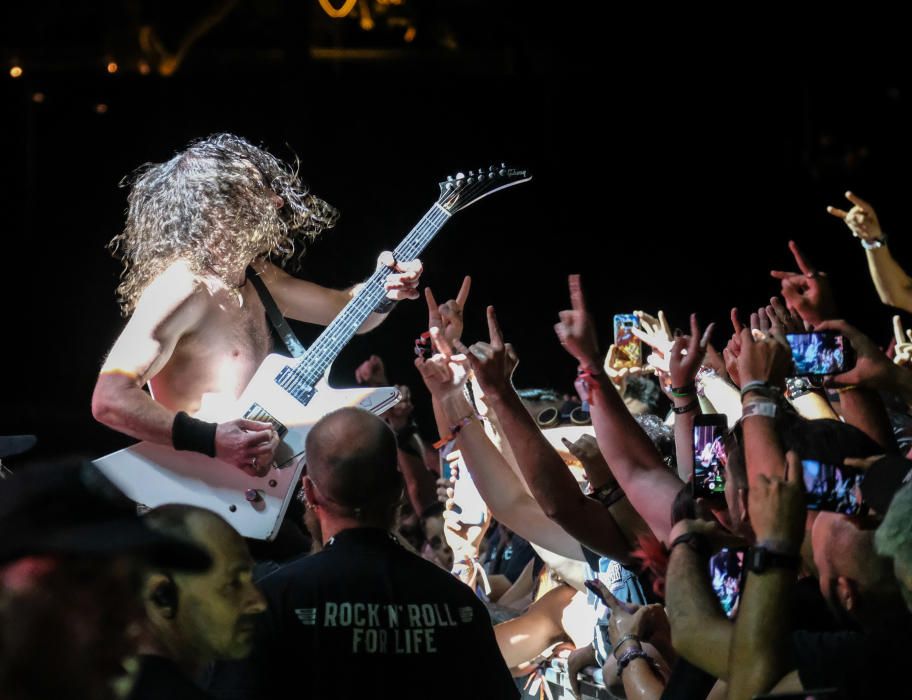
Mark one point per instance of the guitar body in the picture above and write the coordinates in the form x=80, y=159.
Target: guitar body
x=154, y=475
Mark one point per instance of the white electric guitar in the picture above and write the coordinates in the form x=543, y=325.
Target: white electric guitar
x=292, y=394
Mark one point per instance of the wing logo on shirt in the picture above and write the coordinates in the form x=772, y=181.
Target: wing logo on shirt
x=466, y=614
x=307, y=616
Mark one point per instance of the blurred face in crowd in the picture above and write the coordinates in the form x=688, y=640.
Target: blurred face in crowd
x=68, y=627
x=216, y=611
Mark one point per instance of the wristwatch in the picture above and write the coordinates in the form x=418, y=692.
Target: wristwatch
x=873, y=243
x=798, y=386
x=760, y=559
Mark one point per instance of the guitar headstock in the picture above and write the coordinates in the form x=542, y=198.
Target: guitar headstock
x=461, y=190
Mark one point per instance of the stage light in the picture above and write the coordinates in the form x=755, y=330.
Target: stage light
x=38, y=97
x=15, y=71
x=143, y=68
x=101, y=108
x=112, y=67
x=409, y=35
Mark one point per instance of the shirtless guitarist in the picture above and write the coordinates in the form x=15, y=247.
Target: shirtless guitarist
x=197, y=330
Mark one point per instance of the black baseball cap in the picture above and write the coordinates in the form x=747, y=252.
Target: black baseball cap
x=73, y=509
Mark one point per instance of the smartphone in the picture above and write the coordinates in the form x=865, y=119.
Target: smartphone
x=709, y=458
x=820, y=353
x=726, y=571
x=835, y=488
x=629, y=348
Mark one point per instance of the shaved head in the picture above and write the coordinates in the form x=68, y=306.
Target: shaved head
x=352, y=459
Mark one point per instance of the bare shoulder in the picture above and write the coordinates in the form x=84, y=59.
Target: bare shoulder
x=177, y=292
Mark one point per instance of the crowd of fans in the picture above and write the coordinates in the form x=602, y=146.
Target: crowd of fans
x=535, y=539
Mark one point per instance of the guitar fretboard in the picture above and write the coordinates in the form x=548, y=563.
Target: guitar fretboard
x=319, y=356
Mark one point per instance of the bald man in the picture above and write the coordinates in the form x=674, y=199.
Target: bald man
x=193, y=620
x=867, y=658
x=364, y=616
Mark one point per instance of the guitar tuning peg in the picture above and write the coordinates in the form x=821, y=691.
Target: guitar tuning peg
x=503, y=166
x=460, y=176
x=450, y=178
x=471, y=173
x=481, y=177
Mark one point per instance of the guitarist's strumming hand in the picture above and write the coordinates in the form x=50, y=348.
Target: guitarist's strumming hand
x=403, y=283
x=249, y=445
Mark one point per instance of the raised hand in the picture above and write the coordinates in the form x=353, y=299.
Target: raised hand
x=687, y=352
x=444, y=374
x=776, y=507
x=902, y=350
x=872, y=369
x=448, y=316
x=489, y=361
x=763, y=359
x=808, y=292
x=655, y=332
x=576, y=331
x=371, y=372
x=861, y=219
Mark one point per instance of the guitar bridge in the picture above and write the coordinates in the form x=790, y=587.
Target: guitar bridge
x=258, y=413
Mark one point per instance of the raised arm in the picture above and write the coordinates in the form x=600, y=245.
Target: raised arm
x=650, y=487
x=699, y=629
x=170, y=308
x=498, y=486
x=760, y=644
x=551, y=483
x=894, y=286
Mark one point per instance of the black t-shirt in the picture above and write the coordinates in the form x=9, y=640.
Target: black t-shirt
x=870, y=664
x=366, y=617
x=161, y=678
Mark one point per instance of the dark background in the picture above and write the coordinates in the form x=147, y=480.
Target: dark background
x=672, y=164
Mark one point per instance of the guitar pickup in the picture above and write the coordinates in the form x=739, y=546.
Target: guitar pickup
x=258, y=413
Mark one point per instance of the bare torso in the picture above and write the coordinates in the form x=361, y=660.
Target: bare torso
x=212, y=365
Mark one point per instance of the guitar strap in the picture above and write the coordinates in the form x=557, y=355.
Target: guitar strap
x=279, y=324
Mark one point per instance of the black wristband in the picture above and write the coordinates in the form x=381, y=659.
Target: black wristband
x=385, y=306
x=687, y=408
x=700, y=543
x=193, y=434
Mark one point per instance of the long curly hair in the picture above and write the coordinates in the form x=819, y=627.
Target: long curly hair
x=214, y=205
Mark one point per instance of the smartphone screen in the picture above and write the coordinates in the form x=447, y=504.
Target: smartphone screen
x=726, y=571
x=823, y=352
x=709, y=455
x=629, y=349
x=832, y=488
